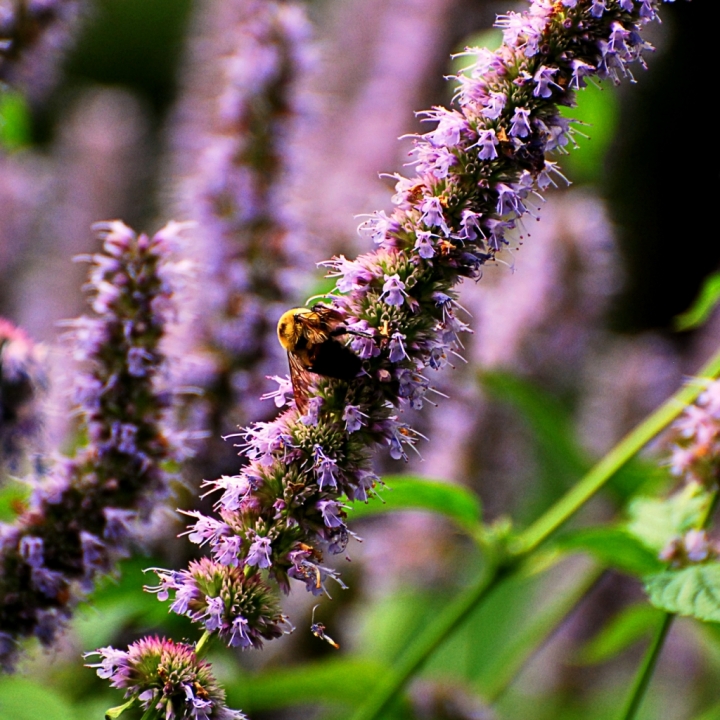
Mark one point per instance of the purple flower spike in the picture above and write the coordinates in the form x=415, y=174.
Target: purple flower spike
x=394, y=307
x=80, y=518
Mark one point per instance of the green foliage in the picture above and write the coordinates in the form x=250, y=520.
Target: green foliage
x=613, y=547
x=693, y=591
x=318, y=682
x=656, y=521
x=15, y=121
x=23, y=699
x=626, y=628
x=706, y=301
x=597, y=111
x=408, y=492
x=12, y=496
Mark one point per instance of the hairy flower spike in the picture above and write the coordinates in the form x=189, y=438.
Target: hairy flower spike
x=32, y=36
x=22, y=379
x=79, y=517
x=477, y=173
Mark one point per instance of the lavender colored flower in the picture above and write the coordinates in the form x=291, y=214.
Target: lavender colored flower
x=166, y=677
x=22, y=379
x=402, y=299
x=32, y=38
x=224, y=600
x=78, y=519
x=231, y=153
x=695, y=453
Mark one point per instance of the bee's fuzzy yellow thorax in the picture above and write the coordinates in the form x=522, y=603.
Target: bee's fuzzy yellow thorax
x=288, y=330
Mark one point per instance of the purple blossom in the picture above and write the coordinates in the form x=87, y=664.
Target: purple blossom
x=424, y=245
x=544, y=82
x=520, y=124
x=494, y=106
x=326, y=469
x=331, y=513
x=397, y=348
x=487, y=142
x=259, y=552
x=432, y=213
x=450, y=128
x=393, y=290
x=353, y=418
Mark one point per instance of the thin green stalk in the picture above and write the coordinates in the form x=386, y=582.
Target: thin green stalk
x=530, y=639
x=448, y=620
x=645, y=673
x=202, y=645
x=629, y=446
x=538, y=532
x=646, y=670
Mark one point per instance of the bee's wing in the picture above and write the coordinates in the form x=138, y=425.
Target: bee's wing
x=301, y=380
x=314, y=327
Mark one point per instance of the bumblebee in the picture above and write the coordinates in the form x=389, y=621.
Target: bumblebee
x=310, y=338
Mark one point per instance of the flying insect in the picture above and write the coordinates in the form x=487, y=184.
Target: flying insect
x=310, y=337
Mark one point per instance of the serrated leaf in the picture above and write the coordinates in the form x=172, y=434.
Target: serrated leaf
x=626, y=628
x=705, y=303
x=407, y=492
x=693, y=591
x=614, y=547
x=656, y=521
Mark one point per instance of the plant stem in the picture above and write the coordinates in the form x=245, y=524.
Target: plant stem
x=632, y=443
x=538, y=532
x=425, y=645
x=201, y=646
x=642, y=680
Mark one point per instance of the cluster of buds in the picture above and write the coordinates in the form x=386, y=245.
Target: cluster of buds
x=691, y=548
x=695, y=454
x=22, y=378
x=166, y=679
x=79, y=518
x=478, y=171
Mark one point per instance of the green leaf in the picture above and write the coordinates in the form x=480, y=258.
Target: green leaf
x=408, y=492
x=12, y=494
x=656, y=521
x=15, y=122
x=627, y=627
x=117, y=711
x=711, y=713
x=704, y=304
x=614, y=547
x=693, y=591
x=22, y=699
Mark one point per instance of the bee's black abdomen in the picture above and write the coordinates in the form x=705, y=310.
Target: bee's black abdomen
x=333, y=359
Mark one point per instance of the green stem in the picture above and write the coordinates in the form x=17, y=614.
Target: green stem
x=645, y=673
x=651, y=657
x=631, y=444
x=538, y=532
x=202, y=645
x=513, y=658
x=448, y=620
